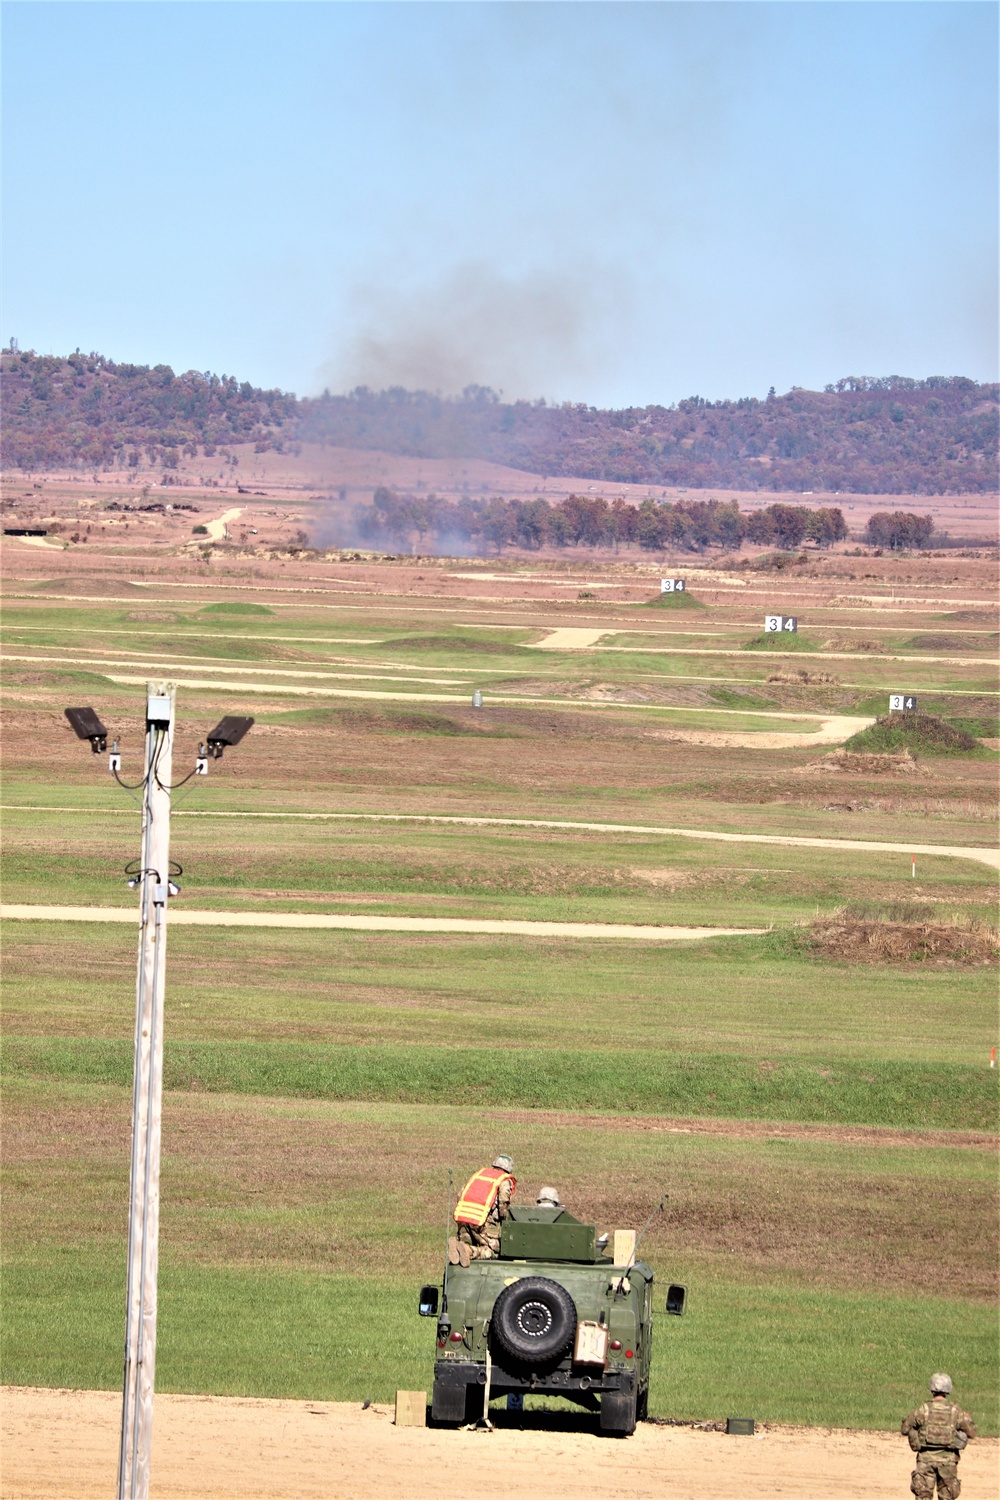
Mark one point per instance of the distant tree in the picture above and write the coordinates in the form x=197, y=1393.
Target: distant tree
x=898, y=530
x=826, y=526
x=790, y=522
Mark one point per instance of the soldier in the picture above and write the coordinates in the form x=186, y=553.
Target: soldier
x=548, y=1197
x=481, y=1209
x=937, y=1432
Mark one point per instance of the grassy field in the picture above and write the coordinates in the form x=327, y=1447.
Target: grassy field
x=284, y=1272
x=820, y=1125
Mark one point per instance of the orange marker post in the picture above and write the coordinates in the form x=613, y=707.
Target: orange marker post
x=993, y=1057
x=913, y=866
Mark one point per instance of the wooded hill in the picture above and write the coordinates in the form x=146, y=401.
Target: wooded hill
x=869, y=436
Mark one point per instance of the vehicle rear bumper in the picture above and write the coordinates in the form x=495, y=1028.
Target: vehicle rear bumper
x=456, y=1374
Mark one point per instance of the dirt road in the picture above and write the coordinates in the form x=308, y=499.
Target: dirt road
x=976, y=852
x=63, y=1445
x=13, y=913
x=217, y=529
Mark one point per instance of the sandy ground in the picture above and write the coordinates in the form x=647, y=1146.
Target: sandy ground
x=649, y=934
x=63, y=1445
x=217, y=529
x=37, y=541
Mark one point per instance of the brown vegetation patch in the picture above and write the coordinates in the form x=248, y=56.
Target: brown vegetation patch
x=803, y=678
x=288, y=1183
x=948, y=643
x=858, y=763
x=874, y=940
x=857, y=643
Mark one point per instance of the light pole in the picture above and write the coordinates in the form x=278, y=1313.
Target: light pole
x=151, y=876
x=147, y=1099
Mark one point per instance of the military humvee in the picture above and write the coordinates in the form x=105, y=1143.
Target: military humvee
x=552, y=1315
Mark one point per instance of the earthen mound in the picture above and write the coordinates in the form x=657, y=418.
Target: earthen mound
x=860, y=763
x=875, y=941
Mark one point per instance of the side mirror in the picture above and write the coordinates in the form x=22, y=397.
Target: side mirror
x=428, y=1304
x=676, y=1298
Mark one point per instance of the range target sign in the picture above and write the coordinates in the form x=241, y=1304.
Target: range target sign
x=902, y=703
x=672, y=585
x=773, y=624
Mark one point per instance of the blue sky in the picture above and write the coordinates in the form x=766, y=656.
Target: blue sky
x=610, y=203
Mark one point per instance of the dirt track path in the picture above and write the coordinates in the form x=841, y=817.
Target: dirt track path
x=832, y=730
x=15, y=913
x=63, y=1445
x=976, y=852
x=572, y=638
x=217, y=529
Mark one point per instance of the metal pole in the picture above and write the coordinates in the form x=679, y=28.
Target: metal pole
x=144, y=1196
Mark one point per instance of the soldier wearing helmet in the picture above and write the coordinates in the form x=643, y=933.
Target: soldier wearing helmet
x=548, y=1197
x=482, y=1206
x=937, y=1433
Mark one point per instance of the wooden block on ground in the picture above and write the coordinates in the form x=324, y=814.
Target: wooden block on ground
x=624, y=1247
x=411, y=1408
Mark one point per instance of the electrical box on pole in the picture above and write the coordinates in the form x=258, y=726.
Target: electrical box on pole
x=144, y=1188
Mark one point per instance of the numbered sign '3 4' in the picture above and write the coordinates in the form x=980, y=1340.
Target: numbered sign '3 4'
x=776, y=623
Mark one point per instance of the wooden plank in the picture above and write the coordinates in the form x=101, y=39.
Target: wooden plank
x=411, y=1408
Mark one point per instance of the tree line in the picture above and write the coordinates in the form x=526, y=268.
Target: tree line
x=861, y=435
x=405, y=522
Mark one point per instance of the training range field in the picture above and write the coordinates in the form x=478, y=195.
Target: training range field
x=822, y=1118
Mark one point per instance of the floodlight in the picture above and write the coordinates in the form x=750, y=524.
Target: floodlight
x=228, y=731
x=88, y=727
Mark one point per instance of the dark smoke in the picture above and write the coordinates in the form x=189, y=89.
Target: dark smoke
x=517, y=334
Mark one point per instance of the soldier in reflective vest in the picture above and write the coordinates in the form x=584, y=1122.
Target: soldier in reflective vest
x=937, y=1432
x=481, y=1209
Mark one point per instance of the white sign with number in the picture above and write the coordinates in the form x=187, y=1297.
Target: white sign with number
x=672, y=585
x=901, y=703
x=773, y=623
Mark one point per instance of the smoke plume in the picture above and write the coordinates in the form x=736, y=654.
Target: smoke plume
x=521, y=335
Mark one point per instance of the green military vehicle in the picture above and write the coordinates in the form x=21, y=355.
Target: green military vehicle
x=552, y=1315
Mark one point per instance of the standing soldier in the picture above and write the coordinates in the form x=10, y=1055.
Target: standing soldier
x=938, y=1431
x=480, y=1212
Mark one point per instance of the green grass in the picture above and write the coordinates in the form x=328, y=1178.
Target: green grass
x=904, y=1095
x=782, y=1355
x=922, y=733
x=319, y=1084
x=684, y=600
x=779, y=640
x=746, y=998
x=237, y=607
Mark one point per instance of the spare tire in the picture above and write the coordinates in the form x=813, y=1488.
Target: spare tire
x=534, y=1321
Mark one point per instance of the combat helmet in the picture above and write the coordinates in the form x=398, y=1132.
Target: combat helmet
x=940, y=1385
x=548, y=1197
x=503, y=1162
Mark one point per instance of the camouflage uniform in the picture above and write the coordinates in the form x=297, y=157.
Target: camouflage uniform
x=933, y=1430
x=485, y=1241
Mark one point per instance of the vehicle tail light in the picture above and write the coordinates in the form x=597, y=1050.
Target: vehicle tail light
x=616, y=1343
x=628, y=1352
x=456, y=1338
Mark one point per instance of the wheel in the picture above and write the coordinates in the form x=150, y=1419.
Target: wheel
x=642, y=1405
x=618, y=1413
x=534, y=1321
